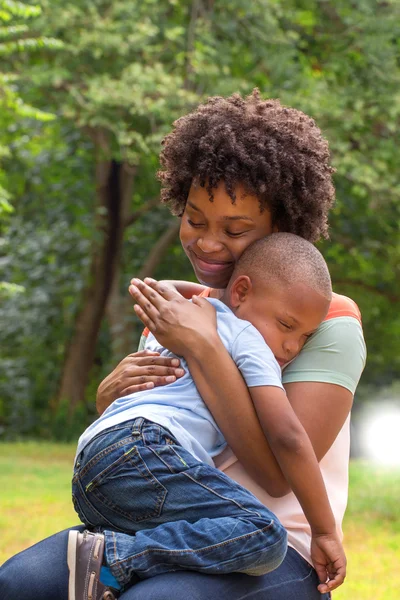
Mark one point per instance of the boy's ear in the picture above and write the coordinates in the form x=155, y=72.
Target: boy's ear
x=239, y=291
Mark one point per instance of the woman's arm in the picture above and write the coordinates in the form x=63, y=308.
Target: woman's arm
x=321, y=382
x=139, y=371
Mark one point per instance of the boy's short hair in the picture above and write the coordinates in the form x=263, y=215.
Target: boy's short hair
x=278, y=154
x=285, y=258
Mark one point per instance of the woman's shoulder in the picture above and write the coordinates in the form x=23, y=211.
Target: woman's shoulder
x=336, y=353
x=342, y=306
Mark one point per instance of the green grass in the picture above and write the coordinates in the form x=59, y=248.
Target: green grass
x=35, y=502
x=372, y=534
x=35, y=493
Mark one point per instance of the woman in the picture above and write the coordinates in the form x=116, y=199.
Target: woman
x=235, y=170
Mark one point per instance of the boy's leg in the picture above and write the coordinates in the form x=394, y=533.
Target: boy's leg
x=184, y=513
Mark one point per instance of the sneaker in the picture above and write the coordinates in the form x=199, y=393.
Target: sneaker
x=85, y=558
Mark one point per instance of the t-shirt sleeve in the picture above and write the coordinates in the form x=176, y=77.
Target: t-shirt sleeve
x=255, y=360
x=336, y=353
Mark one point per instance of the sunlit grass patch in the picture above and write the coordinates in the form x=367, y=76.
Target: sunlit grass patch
x=372, y=534
x=35, y=492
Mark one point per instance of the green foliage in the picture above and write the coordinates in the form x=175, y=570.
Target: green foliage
x=113, y=76
x=16, y=43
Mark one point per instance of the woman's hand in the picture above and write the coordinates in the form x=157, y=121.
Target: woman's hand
x=136, y=372
x=178, y=325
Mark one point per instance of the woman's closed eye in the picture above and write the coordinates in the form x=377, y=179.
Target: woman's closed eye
x=236, y=233
x=193, y=224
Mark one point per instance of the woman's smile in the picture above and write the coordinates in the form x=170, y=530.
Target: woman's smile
x=206, y=263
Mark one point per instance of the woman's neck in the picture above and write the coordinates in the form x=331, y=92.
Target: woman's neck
x=216, y=293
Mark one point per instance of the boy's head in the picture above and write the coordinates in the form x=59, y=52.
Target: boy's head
x=281, y=284
x=276, y=154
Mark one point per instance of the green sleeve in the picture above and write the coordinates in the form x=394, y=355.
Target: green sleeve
x=336, y=353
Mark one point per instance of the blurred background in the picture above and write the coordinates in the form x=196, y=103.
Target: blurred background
x=87, y=91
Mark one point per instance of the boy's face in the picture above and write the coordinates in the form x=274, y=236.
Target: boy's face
x=286, y=316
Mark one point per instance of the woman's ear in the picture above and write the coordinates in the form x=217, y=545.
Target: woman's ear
x=239, y=291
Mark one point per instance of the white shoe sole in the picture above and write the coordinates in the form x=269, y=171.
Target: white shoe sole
x=71, y=560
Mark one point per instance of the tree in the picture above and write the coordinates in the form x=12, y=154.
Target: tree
x=125, y=71
x=121, y=81
x=15, y=41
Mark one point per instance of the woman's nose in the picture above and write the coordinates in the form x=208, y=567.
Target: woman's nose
x=209, y=244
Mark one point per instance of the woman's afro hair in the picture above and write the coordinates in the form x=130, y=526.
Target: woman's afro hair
x=276, y=153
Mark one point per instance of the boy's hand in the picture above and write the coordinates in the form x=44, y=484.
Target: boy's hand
x=329, y=561
x=178, y=325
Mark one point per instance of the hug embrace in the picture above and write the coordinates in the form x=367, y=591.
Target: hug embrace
x=200, y=479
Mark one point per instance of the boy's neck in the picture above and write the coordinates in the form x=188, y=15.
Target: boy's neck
x=224, y=297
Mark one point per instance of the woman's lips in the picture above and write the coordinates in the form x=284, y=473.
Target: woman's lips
x=210, y=266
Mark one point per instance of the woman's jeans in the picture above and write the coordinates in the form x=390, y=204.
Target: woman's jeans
x=163, y=510
x=41, y=573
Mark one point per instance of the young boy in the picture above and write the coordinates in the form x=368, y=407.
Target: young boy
x=144, y=474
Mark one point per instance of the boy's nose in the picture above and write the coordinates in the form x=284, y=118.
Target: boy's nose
x=292, y=348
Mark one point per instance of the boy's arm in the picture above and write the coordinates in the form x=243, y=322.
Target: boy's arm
x=230, y=403
x=295, y=455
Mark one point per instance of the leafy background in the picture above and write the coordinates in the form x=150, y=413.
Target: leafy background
x=87, y=91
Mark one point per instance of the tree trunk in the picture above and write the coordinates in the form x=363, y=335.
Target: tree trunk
x=114, y=185
x=120, y=312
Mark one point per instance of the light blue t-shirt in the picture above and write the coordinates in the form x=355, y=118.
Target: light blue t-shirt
x=178, y=406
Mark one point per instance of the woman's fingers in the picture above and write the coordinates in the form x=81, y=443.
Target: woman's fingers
x=156, y=362
x=148, y=385
x=147, y=372
x=134, y=373
x=141, y=353
x=151, y=372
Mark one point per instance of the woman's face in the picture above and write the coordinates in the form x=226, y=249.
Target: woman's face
x=214, y=234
